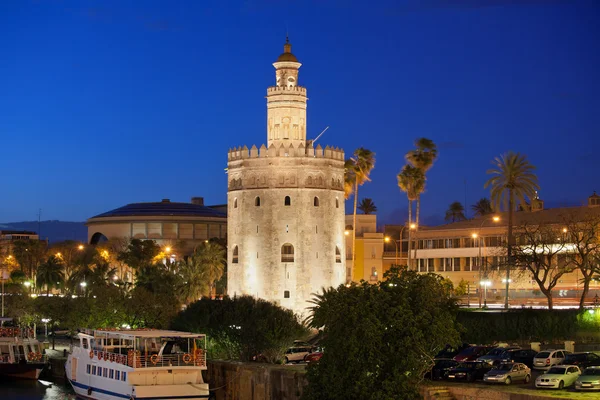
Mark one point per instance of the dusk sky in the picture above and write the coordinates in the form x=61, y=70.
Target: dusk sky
x=104, y=103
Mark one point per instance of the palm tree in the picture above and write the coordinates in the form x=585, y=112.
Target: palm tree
x=482, y=207
x=50, y=274
x=195, y=284
x=212, y=258
x=411, y=180
x=358, y=171
x=367, y=206
x=422, y=158
x=456, y=212
x=513, y=181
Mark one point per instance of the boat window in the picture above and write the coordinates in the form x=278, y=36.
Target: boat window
x=89, y=367
x=124, y=376
x=93, y=370
x=111, y=374
x=117, y=375
x=105, y=372
x=85, y=343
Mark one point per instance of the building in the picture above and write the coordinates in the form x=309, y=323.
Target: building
x=285, y=204
x=9, y=236
x=368, y=264
x=166, y=222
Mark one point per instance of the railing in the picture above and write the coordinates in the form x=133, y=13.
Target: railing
x=17, y=332
x=108, y=356
x=30, y=358
x=137, y=360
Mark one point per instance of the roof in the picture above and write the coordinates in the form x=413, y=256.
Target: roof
x=550, y=216
x=287, y=53
x=163, y=208
x=146, y=333
x=13, y=232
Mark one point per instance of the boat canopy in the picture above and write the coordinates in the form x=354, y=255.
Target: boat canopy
x=144, y=333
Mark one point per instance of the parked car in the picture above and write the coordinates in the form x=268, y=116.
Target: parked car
x=449, y=352
x=524, y=356
x=558, y=377
x=469, y=371
x=508, y=373
x=313, y=357
x=589, y=379
x=546, y=359
x=495, y=356
x=297, y=354
x=472, y=353
x=441, y=368
x=583, y=359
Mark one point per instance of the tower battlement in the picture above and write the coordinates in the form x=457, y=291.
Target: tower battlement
x=329, y=152
x=283, y=89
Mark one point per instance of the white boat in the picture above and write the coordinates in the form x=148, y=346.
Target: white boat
x=138, y=364
x=21, y=355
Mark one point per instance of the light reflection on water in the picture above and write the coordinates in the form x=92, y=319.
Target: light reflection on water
x=21, y=389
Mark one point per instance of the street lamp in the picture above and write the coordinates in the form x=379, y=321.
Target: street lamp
x=45, y=321
x=83, y=285
x=387, y=239
x=80, y=247
x=476, y=236
x=410, y=229
x=485, y=285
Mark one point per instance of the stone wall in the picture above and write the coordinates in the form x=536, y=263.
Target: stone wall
x=255, y=381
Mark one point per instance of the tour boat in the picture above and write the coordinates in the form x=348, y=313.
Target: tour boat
x=21, y=354
x=144, y=364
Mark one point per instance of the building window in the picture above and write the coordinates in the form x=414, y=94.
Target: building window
x=430, y=265
x=374, y=276
x=373, y=252
x=447, y=264
x=316, y=228
x=286, y=294
x=235, y=203
x=287, y=253
x=456, y=264
x=338, y=255
x=467, y=263
x=257, y=201
x=337, y=203
x=287, y=201
x=234, y=259
x=316, y=201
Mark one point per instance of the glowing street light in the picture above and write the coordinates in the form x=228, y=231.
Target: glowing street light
x=80, y=247
x=387, y=239
x=83, y=284
x=27, y=284
x=45, y=321
x=485, y=285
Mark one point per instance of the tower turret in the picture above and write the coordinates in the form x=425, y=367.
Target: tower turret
x=286, y=102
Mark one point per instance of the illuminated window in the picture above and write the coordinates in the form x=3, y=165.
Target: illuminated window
x=234, y=258
x=316, y=202
x=287, y=253
x=257, y=201
x=287, y=201
x=338, y=255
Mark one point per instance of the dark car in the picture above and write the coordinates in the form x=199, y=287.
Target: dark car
x=441, y=368
x=472, y=353
x=497, y=355
x=582, y=360
x=448, y=351
x=469, y=371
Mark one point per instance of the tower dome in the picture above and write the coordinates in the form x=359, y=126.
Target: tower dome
x=287, y=53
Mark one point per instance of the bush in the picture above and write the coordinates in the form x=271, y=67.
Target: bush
x=380, y=339
x=243, y=327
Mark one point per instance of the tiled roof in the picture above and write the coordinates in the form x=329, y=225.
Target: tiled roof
x=163, y=208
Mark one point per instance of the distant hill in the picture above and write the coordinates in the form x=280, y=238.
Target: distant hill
x=54, y=231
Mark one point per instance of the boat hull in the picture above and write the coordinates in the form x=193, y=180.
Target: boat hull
x=155, y=393
x=22, y=371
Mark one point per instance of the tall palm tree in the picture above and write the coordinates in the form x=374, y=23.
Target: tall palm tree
x=361, y=164
x=456, y=212
x=194, y=282
x=50, y=274
x=513, y=182
x=422, y=157
x=367, y=206
x=411, y=180
x=212, y=258
x=482, y=207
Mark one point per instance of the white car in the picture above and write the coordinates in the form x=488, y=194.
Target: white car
x=544, y=360
x=558, y=377
x=297, y=353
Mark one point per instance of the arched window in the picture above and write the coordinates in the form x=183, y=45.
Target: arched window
x=337, y=203
x=287, y=201
x=257, y=201
x=235, y=203
x=287, y=253
x=316, y=201
x=234, y=258
x=286, y=294
x=338, y=255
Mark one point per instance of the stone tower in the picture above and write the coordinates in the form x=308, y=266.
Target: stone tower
x=285, y=201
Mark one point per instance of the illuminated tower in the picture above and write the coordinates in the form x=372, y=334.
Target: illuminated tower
x=285, y=204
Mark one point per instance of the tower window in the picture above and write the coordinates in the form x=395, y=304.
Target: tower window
x=286, y=294
x=316, y=201
x=287, y=201
x=257, y=201
x=338, y=255
x=337, y=203
x=287, y=253
x=234, y=258
x=235, y=203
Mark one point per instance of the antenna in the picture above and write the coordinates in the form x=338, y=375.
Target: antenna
x=314, y=140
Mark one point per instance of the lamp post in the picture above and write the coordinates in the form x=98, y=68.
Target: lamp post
x=3, y=277
x=476, y=236
x=45, y=321
x=410, y=229
x=485, y=285
x=83, y=285
x=387, y=239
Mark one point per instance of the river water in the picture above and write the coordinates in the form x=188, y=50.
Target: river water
x=13, y=389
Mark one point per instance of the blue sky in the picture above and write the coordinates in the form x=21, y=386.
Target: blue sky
x=104, y=103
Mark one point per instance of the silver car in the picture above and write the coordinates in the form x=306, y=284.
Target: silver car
x=507, y=373
x=544, y=360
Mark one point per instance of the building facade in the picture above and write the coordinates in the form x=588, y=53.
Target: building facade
x=368, y=263
x=285, y=204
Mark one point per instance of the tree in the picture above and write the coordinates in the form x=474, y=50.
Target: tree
x=422, y=158
x=367, y=206
x=513, y=181
x=139, y=253
x=540, y=251
x=360, y=166
x=212, y=259
x=482, y=207
x=411, y=181
x=194, y=281
x=50, y=274
x=380, y=338
x=29, y=254
x=455, y=212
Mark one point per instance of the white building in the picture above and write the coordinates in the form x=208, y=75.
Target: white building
x=285, y=204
